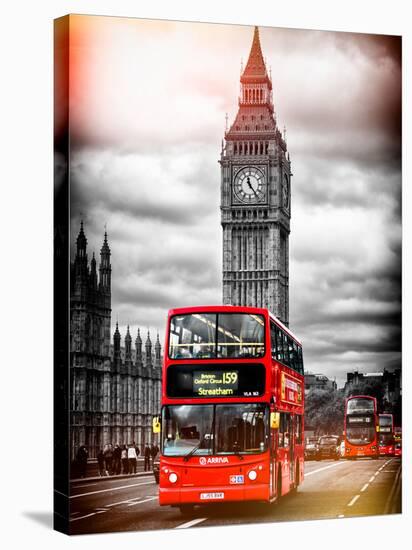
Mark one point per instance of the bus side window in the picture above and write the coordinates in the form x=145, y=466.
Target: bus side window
x=293, y=354
x=285, y=351
x=281, y=431
x=298, y=419
x=279, y=345
x=300, y=360
x=287, y=430
x=273, y=340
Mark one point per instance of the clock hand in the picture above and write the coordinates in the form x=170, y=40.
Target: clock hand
x=251, y=187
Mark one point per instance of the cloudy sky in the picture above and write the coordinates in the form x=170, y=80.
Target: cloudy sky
x=147, y=116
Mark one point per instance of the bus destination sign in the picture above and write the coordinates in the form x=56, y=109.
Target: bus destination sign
x=215, y=383
x=358, y=419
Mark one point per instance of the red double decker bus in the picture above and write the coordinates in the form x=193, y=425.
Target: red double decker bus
x=386, y=435
x=232, y=407
x=397, y=436
x=361, y=427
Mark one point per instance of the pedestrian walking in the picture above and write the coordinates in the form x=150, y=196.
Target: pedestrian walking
x=132, y=456
x=137, y=449
x=125, y=460
x=154, y=449
x=82, y=460
x=100, y=462
x=147, y=458
x=117, y=460
x=108, y=459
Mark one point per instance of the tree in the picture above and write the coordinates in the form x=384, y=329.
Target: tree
x=324, y=410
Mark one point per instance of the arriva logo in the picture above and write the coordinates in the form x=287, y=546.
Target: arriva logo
x=213, y=460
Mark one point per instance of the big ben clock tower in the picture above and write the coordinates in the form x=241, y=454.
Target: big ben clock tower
x=255, y=197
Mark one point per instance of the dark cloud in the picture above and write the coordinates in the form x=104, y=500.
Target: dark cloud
x=144, y=161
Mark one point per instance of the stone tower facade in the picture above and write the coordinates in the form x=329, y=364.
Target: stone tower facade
x=114, y=389
x=256, y=197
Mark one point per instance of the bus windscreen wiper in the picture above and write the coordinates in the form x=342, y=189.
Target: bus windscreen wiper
x=196, y=447
x=236, y=451
x=192, y=451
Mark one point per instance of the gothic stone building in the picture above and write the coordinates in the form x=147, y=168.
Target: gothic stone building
x=115, y=391
x=255, y=197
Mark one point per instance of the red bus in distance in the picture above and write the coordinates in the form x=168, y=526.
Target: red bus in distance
x=361, y=427
x=397, y=434
x=232, y=407
x=386, y=435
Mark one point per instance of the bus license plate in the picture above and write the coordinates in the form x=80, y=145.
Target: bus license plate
x=212, y=496
x=236, y=479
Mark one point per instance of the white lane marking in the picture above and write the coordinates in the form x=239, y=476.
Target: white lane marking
x=113, y=489
x=325, y=468
x=99, y=511
x=341, y=516
x=82, y=517
x=364, y=487
x=190, y=523
x=74, y=513
x=371, y=479
x=122, y=502
x=352, y=502
x=142, y=501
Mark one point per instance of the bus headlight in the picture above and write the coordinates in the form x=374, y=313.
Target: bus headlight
x=252, y=475
x=173, y=477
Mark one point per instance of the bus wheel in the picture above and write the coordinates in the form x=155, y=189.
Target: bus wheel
x=186, y=509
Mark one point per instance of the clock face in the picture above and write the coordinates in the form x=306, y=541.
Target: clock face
x=285, y=191
x=249, y=185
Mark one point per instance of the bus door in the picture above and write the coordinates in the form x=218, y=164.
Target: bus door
x=274, y=426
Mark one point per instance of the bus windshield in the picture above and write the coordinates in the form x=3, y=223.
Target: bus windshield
x=360, y=405
x=212, y=335
x=215, y=429
x=360, y=435
x=328, y=441
x=385, y=420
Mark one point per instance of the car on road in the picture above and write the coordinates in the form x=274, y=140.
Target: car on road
x=398, y=448
x=328, y=446
x=310, y=448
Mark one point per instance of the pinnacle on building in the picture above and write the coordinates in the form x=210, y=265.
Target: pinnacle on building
x=113, y=397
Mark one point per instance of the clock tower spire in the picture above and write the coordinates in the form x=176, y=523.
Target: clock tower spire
x=255, y=197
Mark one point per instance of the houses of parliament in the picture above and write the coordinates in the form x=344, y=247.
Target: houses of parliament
x=115, y=389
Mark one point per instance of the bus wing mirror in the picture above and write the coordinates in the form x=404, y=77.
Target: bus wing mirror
x=274, y=420
x=156, y=424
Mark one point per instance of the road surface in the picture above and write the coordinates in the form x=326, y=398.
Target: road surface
x=330, y=490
